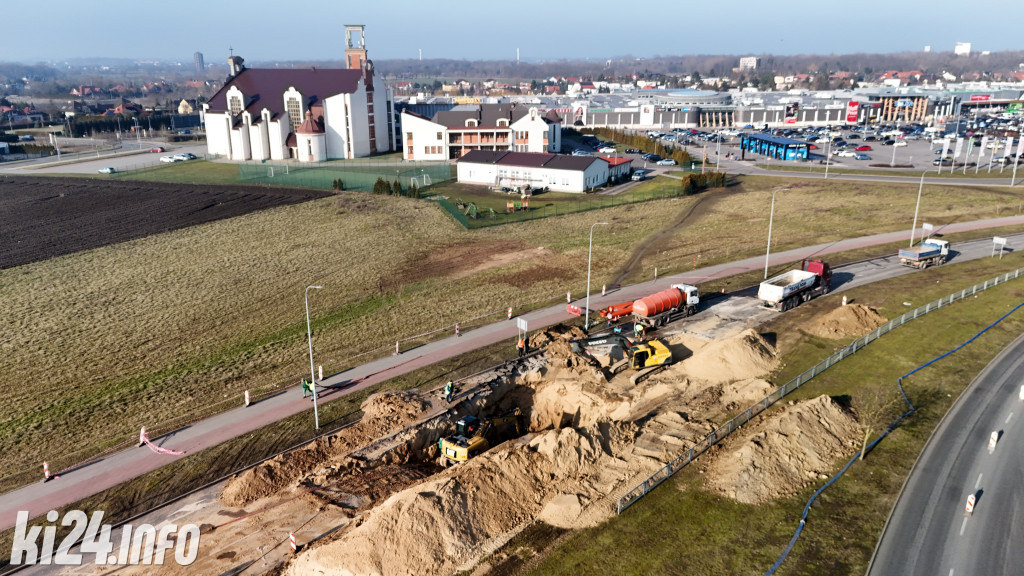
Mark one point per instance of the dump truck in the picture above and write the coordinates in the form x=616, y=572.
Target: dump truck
x=666, y=306
x=789, y=290
x=474, y=435
x=645, y=358
x=928, y=253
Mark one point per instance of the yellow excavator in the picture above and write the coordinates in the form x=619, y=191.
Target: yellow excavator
x=473, y=435
x=644, y=357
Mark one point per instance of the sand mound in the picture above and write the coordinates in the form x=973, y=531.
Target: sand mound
x=784, y=452
x=436, y=526
x=743, y=393
x=267, y=478
x=740, y=357
x=382, y=413
x=846, y=321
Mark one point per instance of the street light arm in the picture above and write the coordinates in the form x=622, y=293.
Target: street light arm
x=312, y=374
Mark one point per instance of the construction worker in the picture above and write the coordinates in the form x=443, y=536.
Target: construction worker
x=521, y=346
x=638, y=331
x=305, y=387
x=449, y=388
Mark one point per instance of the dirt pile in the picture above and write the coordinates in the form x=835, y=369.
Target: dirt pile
x=382, y=414
x=847, y=321
x=740, y=357
x=436, y=526
x=784, y=452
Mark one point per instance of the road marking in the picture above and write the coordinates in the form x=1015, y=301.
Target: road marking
x=950, y=572
x=963, y=526
x=978, y=483
x=1008, y=418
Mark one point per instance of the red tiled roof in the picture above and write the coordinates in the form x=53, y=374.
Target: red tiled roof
x=615, y=161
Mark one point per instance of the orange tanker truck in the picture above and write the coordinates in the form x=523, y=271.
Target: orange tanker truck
x=616, y=311
x=663, y=307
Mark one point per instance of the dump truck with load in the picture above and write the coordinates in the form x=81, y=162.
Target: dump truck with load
x=666, y=306
x=788, y=290
x=928, y=253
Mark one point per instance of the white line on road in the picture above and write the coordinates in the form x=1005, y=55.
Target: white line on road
x=978, y=483
x=950, y=572
x=1008, y=418
x=963, y=526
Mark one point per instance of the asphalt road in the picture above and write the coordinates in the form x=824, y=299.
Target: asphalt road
x=929, y=532
x=113, y=469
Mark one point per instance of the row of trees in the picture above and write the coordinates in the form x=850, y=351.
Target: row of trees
x=383, y=187
x=694, y=183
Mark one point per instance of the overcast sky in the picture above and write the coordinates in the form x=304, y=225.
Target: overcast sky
x=261, y=30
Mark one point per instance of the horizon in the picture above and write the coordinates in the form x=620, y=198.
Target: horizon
x=596, y=33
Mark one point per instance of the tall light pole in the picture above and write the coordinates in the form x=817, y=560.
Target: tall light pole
x=590, y=251
x=771, y=216
x=312, y=374
x=919, y=188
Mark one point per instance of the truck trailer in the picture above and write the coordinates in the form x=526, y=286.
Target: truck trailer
x=666, y=306
x=812, y=279
x=931, y=252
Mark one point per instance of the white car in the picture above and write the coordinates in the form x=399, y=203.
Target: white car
x=846, y=154
x=666, y=162
x=900, y=143
x=606, y=150
x=107, y=170
x=169, y=159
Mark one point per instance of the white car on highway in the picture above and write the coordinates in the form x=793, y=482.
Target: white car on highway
x=169, y=159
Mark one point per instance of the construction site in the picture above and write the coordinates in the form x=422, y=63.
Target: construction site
x=381, y=497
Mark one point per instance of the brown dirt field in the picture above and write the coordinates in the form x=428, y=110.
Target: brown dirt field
x=48, y=217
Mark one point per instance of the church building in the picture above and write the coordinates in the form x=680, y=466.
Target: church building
x=308, y=115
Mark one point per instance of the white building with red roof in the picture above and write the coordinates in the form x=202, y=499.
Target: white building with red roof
x=309, y=115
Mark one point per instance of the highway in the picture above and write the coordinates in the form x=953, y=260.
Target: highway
x=110, y=470
x=929, y=531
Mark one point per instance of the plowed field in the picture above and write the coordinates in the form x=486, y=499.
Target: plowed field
x=42, y=218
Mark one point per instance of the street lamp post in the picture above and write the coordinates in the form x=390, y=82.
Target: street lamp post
x=919, y=188
x=590, y=251
x=771, y=216
x=312, y=374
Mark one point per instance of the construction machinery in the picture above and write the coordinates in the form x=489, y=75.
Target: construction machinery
x=474, y=435
x=931, y=252
x=660, y=308
x=645, y=358
x=789, y=290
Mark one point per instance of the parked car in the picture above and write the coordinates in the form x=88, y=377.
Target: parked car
x=846, y=154
x=169, y=159
x=107, y=170
x=157, y=149
x=666, y=162
x=631, y=151
x=862, y=157
x=638, y=175
x=574, y=153
x=863, y=148
x=851, y=136
x=888, y=142
x=870, y=138
x=27, y=138
x=942, y=162
x=899, y=143
x=654, y=158
x=607, y=150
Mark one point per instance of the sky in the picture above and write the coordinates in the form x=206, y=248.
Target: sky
x=261, y=30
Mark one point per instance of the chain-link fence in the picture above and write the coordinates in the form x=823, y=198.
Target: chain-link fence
x=359, y=174
x=721, y=432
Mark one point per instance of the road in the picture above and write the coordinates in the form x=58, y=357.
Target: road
x=113, y=469
x=129, y=157
x=929, y=532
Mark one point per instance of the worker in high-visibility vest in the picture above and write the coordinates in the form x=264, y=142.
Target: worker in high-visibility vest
x=638, y=331
x=449, y=388
x=521, y=346
x=305, y=387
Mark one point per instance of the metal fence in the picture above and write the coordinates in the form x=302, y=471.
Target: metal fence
x=359, y=174
x=721, y=432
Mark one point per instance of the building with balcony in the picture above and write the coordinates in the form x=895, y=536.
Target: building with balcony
x=451, y=134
